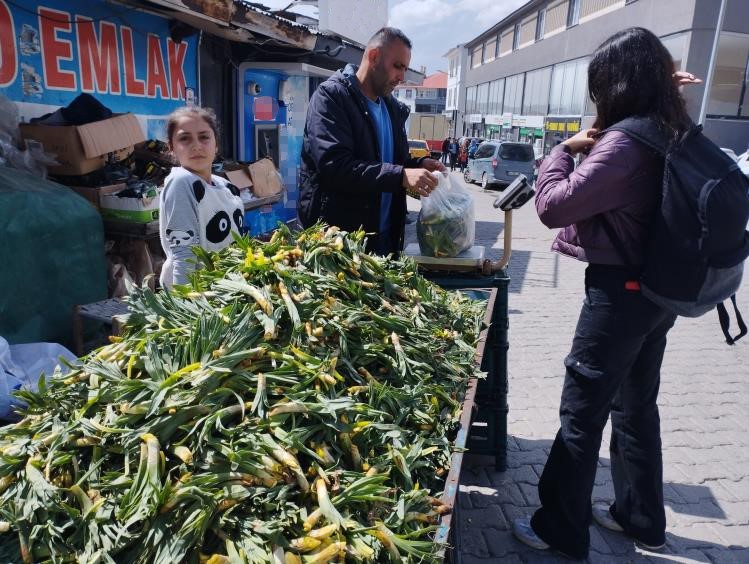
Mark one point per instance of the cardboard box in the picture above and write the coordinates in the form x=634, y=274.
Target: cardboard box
x=138, y=210
x=94, y=195
x=81, y=149
x=265, y=178
x=239, y=177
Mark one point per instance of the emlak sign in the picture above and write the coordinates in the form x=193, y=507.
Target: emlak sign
x=52, y=51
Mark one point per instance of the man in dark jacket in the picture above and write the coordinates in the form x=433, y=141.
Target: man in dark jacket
x=356, y=169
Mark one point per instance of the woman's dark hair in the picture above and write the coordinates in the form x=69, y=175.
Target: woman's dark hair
x=631, y=74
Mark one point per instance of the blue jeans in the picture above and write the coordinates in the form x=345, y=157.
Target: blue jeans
x=613, y=368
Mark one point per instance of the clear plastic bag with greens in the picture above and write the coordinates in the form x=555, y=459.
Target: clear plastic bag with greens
x=446, y=226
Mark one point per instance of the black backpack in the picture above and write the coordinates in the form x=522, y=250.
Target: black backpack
x=694, y=256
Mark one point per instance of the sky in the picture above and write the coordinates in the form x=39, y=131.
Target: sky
x=435, y=26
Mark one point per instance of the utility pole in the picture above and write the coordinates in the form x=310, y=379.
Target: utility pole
x=711, y=64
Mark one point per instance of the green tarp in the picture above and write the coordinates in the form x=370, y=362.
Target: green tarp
x=51, y=258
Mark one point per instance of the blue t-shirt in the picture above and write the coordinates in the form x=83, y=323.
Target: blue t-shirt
x=384, y=128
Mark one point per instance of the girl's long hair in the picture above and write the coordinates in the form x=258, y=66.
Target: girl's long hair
x=631, y=74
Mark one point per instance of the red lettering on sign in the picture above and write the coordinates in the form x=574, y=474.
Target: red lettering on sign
x=98, y=58
x=156, y=75
x=8, y=57
x=55, y=49
x=176, y=53
x=133, y=86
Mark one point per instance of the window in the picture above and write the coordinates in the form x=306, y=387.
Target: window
x=540, y=22
x=676, y=45
x=496, y=92
x=485, y=151
x=476, y=56
x=513, y=97
x=482, y=98
x=516, y=152
x=506, y=41
x=536, y=96
x=569, y=83
x=490, y=50
x=729, y=92
x=573, y=13
x=516, y=37
x=453, y=65
x=470, y=100
x=409, y=93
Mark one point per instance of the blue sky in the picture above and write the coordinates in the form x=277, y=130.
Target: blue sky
x=435, y=26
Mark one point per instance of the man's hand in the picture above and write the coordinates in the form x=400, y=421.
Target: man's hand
x=683, y=78
x=419, y=180
x=433, y=165
x=581, y=142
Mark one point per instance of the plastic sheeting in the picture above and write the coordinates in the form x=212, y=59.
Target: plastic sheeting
x=51, y=258
x=22, y=365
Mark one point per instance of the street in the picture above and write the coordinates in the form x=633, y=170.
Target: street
x=703, y=407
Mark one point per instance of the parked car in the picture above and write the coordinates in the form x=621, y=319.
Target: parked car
x=497, y=163
x=418, y=148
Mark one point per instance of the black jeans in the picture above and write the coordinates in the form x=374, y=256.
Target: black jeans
x=614, y=367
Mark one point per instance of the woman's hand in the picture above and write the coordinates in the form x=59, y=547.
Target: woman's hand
x=582, y=142
x=683, y=78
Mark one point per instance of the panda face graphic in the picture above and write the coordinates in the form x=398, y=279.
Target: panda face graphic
x=179, y=238
x=218, y=228
x=239, y=220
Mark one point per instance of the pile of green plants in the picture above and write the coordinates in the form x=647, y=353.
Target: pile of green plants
x=293, y=403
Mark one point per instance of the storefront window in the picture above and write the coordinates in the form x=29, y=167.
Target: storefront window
x=536, y=97
x=513, y=94
x=496, y=92
x=470, y=100
x=482, y=98
x=728, y=94
x=676, y=45
x=569, y=88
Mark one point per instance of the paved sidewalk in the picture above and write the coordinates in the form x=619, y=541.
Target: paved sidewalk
x=704, y=402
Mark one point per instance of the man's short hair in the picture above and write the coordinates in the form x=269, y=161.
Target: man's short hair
x=386, y=35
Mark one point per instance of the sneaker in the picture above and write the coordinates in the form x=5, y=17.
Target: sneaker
x=523, y=531
x=650, y=547
x=602, y=516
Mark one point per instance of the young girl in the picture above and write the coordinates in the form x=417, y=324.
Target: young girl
x=197, y=208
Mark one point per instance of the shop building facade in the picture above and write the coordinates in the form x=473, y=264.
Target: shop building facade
x=526, y=76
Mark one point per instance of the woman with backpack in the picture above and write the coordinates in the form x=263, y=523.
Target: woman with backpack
x=614, y=364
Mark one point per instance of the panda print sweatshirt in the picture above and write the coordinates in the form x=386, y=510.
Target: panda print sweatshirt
x=194, y=212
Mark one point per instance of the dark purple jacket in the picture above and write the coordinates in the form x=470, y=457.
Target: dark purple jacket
x=620, y=179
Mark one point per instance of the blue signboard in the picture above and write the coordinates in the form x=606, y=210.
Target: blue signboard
x=53, y=50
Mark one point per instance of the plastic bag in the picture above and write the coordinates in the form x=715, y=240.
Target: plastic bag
x=33, y=159
x=20, y=368
x=446, y=225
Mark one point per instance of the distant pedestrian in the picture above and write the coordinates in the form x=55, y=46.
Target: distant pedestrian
x=445, y=153
x=463, y=155
x=453, y=149
x=615, y=362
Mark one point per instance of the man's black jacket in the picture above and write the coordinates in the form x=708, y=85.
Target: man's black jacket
x=342, y=175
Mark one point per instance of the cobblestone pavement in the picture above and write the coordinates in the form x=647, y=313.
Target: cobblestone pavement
x=704, y=417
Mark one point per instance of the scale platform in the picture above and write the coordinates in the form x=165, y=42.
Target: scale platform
x=468, y=258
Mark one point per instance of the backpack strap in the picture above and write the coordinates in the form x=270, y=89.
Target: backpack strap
x=644, y=130
x=618, y=245
x=725, y=322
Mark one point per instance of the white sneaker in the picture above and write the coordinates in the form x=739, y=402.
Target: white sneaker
x=603, y=517
x=523, y=531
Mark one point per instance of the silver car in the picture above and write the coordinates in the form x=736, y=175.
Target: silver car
x=497, y=163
